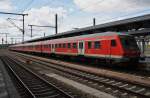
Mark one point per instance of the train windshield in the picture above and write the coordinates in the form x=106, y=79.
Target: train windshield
x=129, y=42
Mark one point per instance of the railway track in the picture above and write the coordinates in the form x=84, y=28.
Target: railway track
x=30, y=84
x=142, y=69
x=116, y=87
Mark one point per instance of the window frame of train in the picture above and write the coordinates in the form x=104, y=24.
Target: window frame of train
x=52, y=45
x=64, y=45
x=97, y=44
x=49, y=45
x=113, y=43
x=55, y=45
x=45, y=46
x=69, y=45
x=89, y=44
x=59, y=45
x=74, y=45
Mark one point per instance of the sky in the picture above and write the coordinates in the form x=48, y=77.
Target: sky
x=71, y=14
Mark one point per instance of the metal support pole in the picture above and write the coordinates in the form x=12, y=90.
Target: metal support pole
x=39, y=26
x=17, y=14
x=142, y=46
x=31, y=31
x=12, y=40
x=6, y=38
x=15, y=41
x=23, y=29
x=56, y=24
x=2, y=41
x=44, y=34
x=94, y=21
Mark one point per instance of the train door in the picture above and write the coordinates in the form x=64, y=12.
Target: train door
x=112, y=49
x=53, y=48
x=81, y=47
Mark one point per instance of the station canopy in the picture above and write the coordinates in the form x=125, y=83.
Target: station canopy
x=137, y=26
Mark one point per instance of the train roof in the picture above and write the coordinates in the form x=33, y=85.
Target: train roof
x=101, y=34
x=81, y=36
x=111, y=34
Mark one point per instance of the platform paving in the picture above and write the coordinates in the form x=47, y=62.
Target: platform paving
x=7, y=89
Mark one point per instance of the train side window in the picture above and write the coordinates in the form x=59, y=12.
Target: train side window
x=89, y=45
x=74, y=45
x=55, y=45
x=49, y=45
x=97, y=44
x=113, y=43
x=69, y=45
x=64, y=45
x=59, y=45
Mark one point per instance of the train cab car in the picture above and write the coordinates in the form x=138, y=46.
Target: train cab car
x=131, y=51
x=107, y=46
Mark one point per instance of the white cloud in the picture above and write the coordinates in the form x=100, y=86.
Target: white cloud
x=39, y=16
x=4, y=23
x=111, y=6
x=6, y=5
x=43, y=16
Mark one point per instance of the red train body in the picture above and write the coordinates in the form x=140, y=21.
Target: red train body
x=109, y=46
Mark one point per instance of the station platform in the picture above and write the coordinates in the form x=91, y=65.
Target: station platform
x=7, y=89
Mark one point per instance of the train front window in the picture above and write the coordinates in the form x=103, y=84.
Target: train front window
x=113, y=43
x=129, y=42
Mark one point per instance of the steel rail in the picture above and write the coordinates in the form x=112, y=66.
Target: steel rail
x=72, y=72
x=62, y=93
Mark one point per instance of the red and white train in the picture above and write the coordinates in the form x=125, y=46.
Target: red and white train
x=109, y=46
